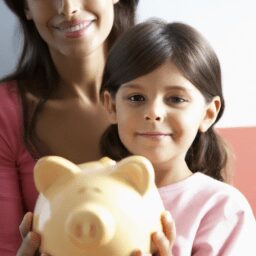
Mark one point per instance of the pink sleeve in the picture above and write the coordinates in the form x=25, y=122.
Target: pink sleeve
x=227, y=229
x=11, y=212
x=11, y=200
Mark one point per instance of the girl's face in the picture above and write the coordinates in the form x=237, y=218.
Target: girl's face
x=72, y=27
x=159, y=114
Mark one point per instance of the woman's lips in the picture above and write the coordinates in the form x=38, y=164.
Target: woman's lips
x=74, y=29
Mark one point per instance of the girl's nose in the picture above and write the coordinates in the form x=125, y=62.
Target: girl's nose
x=153, y=118
x=68, y=7
x=155, y=113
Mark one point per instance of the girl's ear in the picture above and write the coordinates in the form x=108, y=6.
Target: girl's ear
x=211, y=113
x=109, y=105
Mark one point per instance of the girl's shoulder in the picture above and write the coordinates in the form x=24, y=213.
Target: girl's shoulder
x=219, y=190
x=207, y=193
x=209, y=214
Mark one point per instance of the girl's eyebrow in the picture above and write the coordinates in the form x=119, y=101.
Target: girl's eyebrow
x=167, y=87
x=178, y=88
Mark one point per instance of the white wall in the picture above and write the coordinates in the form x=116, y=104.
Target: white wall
x=230, y=27
x=9, y=40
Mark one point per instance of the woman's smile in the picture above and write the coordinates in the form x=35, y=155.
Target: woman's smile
x=75, y=28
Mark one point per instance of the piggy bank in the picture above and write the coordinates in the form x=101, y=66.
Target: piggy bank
x=100, y=208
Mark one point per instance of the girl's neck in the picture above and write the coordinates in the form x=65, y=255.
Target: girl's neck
x=171, y=172
x=80, y=76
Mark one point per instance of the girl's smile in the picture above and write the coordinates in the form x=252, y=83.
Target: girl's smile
x=154, y=134
x=153, y=137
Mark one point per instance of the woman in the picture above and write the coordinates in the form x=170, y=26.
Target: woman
x=50, y=104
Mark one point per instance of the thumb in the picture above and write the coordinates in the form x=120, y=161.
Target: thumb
x=29, y=245
x=139, y=253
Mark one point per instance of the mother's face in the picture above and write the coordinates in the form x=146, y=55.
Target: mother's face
x=75, y=27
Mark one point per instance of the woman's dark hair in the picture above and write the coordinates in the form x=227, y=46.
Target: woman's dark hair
x=144, y=48
x=35, y=71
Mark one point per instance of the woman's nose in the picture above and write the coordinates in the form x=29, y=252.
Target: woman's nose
x=68, y=8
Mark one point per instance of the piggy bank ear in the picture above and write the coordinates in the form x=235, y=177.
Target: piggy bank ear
x=50, y=168
x=137, y=171
x=103, y=163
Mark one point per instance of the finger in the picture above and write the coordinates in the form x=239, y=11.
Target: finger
x=139, y=253
x=25, y=225
x=162, y=244
x=30, y=245
x=169, y=227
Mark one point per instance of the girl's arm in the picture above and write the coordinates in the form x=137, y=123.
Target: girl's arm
x=229, y=228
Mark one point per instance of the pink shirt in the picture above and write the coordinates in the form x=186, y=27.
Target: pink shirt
x=17, y=191
x=211, y=218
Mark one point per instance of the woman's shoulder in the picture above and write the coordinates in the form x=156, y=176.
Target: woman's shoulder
x=10, y=115
x=8, y=94
x=10, y=105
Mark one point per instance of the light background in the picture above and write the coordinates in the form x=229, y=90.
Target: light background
x=229, y=25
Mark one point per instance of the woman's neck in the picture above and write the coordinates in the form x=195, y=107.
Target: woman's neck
x=80, y=77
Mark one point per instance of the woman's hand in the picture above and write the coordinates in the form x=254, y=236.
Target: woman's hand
x=30, y=240
x=163, y=241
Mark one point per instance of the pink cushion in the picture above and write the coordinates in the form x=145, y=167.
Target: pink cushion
x=242, y=141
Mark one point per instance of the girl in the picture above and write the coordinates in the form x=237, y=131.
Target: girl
x=162, y=91
x=54, y=88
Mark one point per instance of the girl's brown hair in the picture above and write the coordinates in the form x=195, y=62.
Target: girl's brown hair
x=35, y=71
x=144, y=48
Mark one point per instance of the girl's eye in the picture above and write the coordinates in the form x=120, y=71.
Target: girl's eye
x=176, y=100
x=136, y=98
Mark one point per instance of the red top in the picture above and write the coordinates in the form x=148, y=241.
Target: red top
x=17, y=190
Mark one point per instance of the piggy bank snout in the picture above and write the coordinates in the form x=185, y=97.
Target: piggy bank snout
x=90, y=226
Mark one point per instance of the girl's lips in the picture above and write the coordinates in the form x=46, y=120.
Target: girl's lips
x=153, y=134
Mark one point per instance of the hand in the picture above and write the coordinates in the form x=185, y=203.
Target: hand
x=163, y=241
x=30, y=240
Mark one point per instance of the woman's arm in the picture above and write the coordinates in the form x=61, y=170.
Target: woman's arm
x=11, y=201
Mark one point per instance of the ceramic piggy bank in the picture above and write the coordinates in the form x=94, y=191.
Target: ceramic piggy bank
x=100, y=208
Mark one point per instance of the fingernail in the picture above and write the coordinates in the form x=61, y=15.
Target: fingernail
x=34, y=237
x=157, y=236
x=168, y=216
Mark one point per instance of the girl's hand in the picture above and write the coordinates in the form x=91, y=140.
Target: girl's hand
x=30, y=240
x=163, y=241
